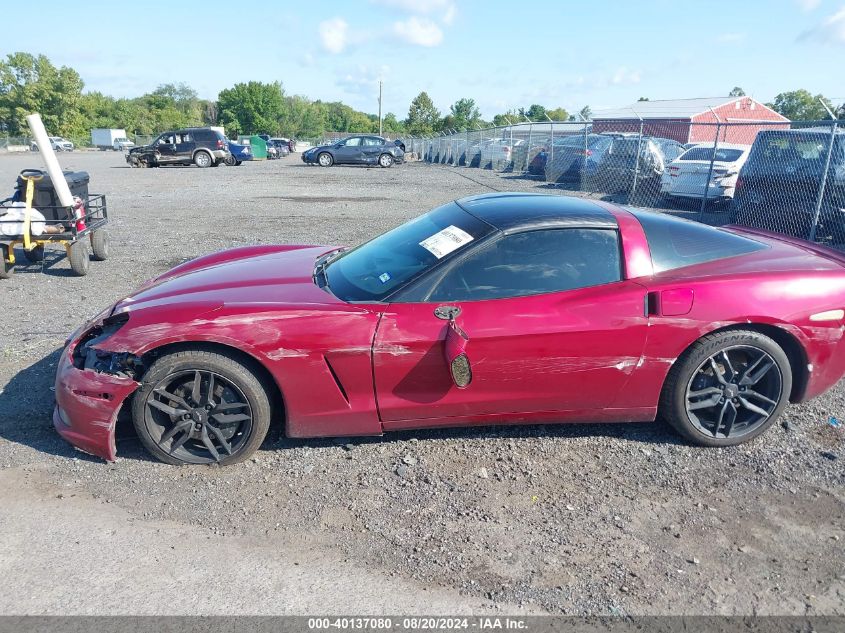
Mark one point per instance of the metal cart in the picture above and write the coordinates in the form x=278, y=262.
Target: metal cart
x=68, y=226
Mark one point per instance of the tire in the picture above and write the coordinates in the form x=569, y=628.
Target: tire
x=175, y=429
x=100, y=245
x=6, y=269
x=325, y=159
x=385, y=160
x=34, y=256
x=203, y=159
x=78, y=256
x=713, y=410
x=238, y=163
x=230, y=161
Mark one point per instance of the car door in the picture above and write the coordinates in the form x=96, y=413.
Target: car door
x=185, y=144
x=350, y=151
x=551, y=323
x=166, y=147
x=371, y=149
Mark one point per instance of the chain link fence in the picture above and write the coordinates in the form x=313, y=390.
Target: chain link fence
x=780, y=176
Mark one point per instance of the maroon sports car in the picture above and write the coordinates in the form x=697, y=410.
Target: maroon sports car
x=494, y=309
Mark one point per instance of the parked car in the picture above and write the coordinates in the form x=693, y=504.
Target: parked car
x=356, y=150
x=237, y=153
x=614, y=167
x=495, y=309
x=498, y=153
x=687, y=175
x=282, y=146
x=201, y=146
x=572, y=157
x=779, y=184
x=59, y=144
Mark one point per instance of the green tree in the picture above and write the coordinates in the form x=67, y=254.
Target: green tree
x=250, y=108
x=557, y=114
x=737, y=92
x=643, y=99
x=535, y=112
x=423, y=117
x=800, y=105
x=586, y=113
x=32, y=84
x=392, y=125
x=465, y=114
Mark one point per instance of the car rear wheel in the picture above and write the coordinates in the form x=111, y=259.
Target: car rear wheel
x=203, y=159
x=728, y=388
x=201, y=407
x=325, y=159
x=385, y=160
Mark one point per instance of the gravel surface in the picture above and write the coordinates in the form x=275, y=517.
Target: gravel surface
x=576, y=519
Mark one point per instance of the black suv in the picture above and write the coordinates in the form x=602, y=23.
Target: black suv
x=201, y=146
x=778, y=186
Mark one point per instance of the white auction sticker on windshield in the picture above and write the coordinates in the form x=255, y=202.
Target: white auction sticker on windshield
x=444, y=242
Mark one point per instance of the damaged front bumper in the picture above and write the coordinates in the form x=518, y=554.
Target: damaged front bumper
x=91, y=386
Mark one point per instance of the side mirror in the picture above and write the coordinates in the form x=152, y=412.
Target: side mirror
x=456, y=356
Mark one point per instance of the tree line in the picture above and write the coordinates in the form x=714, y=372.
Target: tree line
x=30, y=83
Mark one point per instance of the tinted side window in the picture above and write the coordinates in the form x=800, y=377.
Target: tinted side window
x=204, y=135
x=676, y=243
x=534, y=262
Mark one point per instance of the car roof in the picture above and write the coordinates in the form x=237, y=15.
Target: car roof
x=509, y=211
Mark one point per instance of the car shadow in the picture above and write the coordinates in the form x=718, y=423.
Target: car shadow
x=26, y=406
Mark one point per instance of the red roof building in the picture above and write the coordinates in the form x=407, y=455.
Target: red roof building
x=737, y=119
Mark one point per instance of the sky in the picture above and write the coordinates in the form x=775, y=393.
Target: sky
x=601, y=53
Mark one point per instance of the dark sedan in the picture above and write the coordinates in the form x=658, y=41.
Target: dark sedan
x=356, y=150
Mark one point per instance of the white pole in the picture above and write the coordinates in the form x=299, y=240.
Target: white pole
x=53, y=167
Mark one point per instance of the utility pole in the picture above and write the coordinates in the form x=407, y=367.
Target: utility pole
x=379, y=107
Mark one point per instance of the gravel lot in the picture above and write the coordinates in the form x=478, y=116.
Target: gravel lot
x=576, y=519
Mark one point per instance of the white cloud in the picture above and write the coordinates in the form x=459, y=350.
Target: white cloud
x=808, y=5
x=625, y=77
x=419, y=31
x=831, y=30
x=449, y=15
x=334, y=34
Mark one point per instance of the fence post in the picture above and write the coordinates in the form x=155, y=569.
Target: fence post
x=550, y=157
x=636, y=164
x=823, y=183
x=709, y=173
x=528, y=148
x=582, y=185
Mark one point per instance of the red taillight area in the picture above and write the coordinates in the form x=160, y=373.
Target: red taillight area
x=587, y=152
x=220, y=144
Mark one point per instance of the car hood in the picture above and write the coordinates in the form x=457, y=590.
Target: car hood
x=269, y=275
x=139, y=148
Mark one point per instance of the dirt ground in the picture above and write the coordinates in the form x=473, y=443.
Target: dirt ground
x=564, y=519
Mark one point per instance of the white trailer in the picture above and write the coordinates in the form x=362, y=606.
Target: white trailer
x=108, y=138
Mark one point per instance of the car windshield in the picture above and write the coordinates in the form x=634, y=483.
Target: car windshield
x=792, y=152
x=377, y=268
x=706, y=153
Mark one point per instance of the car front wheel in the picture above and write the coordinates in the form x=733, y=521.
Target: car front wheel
x=728, y=388
x=325, y=159
x=201, y=407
